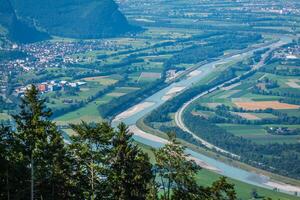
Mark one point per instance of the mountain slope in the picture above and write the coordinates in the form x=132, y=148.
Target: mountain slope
x=14, y=29
x=74, y=18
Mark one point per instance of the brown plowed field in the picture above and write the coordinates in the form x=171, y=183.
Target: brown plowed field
x=264, y=105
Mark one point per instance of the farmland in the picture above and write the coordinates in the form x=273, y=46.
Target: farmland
x=252, y=107
x=271, y=122
x=262, y=105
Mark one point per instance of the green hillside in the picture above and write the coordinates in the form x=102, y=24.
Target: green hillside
x=14, y=29
x=73, y=18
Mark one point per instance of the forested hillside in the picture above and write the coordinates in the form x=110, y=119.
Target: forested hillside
x=14, y=29
x=73, y=18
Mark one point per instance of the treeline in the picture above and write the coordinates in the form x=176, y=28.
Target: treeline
x=162, y=44
x=278, y=69
x=162, y=113
x=226, y=114
x=98, y=162
x=258, y=90
x=257, y=55
x=295, y=101
x=278, y=158
x=202, y=26
x=212, y=49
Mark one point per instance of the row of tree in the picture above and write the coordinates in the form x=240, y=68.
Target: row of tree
x=275, y=157
x=98, y=162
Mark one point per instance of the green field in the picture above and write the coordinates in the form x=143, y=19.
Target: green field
x=88, y=113
x=258, y=134
x=243, y=92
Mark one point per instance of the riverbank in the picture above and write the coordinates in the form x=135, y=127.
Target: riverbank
x=270, y=180
x=243, y=190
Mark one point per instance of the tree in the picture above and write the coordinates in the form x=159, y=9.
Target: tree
x=177, y=176
x=41, y=149
x=152, y=190
x=6, y=162
x=254, y=193
x=59, y=169
x=176, y=173
x=90, y=147
x=222, y=190
x=130, y=168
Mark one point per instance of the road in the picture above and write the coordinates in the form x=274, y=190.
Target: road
x=178, y=115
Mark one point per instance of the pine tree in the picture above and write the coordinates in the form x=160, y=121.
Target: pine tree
x=13, y=176
x=177, y=176
x=59, y=169
x=176, y=173
x=130, y=168
x=152, y=190
x=90, y=148
x=222, y=190
x=40, y=146
x=5, y=154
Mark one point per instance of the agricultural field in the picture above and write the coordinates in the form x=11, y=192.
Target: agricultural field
x=246, y=108
x=258, y=133
x=262, y=105
x=66, y=96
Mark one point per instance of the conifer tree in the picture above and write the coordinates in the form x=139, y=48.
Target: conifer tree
x=177, y=176
x=90, y=148
x=130, y=168
x=41, y=147
x=176, y=173
x=5, y=155
x=222, y=190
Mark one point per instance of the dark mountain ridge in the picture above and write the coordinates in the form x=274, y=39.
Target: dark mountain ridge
x=34, y=20
x=84, y=19
x=15, y=29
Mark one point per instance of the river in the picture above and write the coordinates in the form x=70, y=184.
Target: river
x=133, y=114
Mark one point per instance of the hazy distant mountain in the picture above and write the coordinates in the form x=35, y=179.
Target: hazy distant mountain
x=14, y=29
x=73, y=18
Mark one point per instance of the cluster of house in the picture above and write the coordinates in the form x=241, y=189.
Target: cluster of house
x=50, y=86
x=49, y=54
x=292, y=52
x=282, y=131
